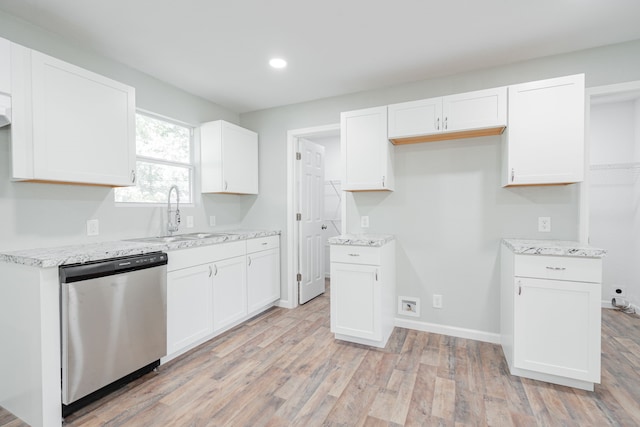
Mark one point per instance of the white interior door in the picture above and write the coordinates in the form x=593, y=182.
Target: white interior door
x=311, y=199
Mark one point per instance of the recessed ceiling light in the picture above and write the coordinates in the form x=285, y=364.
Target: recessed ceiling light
x=278, y=63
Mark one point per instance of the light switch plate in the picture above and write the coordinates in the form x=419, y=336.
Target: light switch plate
x=212, y=221
x=189, y=221
x=364, y=221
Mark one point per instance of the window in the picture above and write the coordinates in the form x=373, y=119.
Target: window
x=163, y=158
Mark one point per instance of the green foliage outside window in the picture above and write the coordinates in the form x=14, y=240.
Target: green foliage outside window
x=163, y=152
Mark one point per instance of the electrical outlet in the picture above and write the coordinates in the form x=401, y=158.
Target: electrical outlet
x=212, y=221
x=364, y=221
x=93, y=227
x=437, y=301
x=409, y=306
x=544, y=224
x=189, y=221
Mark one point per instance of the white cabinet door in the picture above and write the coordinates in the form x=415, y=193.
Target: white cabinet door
x=229, y=292
x=475, y=110
x=5, y=66
x=69, y=124
x=189, y=306
x=229, y=158
x=263, y=278
x=465, y=115
x=356, y=301
x=367, y=154
x=557, y=328
x=415, y=118
x=545, y=136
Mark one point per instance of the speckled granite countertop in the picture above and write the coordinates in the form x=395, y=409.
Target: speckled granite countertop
x=553, y=247
x=53, y=257
x=361, y=239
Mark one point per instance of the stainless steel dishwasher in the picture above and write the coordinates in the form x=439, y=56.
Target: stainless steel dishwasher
x=113, y=324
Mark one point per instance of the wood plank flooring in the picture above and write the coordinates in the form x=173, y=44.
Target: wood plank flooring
x=284, y=368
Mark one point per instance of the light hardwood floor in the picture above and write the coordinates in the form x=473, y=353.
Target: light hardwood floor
x=284, y=368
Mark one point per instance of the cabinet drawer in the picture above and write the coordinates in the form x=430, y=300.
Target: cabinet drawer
x=559, y=268
x=263, y=243
x=183, y=258
x=355, y=254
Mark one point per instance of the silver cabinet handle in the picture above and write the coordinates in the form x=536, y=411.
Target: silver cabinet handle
x=512, y=174
x=226, y=185
x=133, y=176
x=438, y=124
x=215, y=270
x=249, y=259
x=376, y=275
x=264, y=243
x=556, y=268
x=519, y=287
x=446, y=119
x=353, y=254
x=383, y=177
x=210, y=271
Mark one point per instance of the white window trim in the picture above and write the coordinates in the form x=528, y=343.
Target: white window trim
x=190, y=166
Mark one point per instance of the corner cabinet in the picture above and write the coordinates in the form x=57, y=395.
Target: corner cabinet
x=363, y=293
x=464, y=115
x=69, y=125
x=229, y=158
x=551, y=318
x=367, y=154
x=544, y=142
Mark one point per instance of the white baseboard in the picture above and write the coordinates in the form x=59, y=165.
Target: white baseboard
x=453, y=331
x=284, y=304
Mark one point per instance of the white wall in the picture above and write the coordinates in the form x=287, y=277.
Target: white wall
x=41, y=215
x=448, y=211
x=612, y=199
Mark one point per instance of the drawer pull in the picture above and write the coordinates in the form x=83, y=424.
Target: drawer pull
x=556, y=268
x=354, y=254
x=264, y=243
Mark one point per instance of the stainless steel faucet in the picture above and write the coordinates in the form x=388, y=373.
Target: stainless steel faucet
x=173, y=225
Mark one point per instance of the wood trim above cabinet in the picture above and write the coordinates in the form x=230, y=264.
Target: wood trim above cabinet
x=448, y=136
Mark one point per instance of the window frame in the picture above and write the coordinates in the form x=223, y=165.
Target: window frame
x=191, y=167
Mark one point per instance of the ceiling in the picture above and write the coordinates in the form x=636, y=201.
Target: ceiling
x=219, y=49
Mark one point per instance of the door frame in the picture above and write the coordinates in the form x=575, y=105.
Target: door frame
x=613, y=89
x=293, y=237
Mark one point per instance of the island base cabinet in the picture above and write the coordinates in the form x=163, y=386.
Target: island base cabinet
x=188, y=291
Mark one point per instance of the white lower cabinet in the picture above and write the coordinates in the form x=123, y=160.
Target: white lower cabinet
x=551, y=318
x=263, y=278
x=213, y=288
x=363, y=293
x=188, y=291
x=229, y=292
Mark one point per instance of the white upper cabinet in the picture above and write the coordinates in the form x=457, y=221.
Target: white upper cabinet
x=69, y=124
x=229, y=158
x=367, y=154
x=545, y=137
x=464, y=115
x=5, y=66
x=5, y=82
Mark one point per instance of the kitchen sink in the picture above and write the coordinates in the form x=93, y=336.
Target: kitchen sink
x=180, y=237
